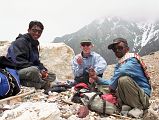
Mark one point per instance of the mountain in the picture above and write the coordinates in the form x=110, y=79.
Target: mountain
x=142, y=36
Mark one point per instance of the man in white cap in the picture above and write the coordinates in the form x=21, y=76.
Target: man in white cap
x=85, y=61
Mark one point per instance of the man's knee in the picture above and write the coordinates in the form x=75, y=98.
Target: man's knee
x=29, y=73
x=34, y=70
x=124, y=80
x=29, y=69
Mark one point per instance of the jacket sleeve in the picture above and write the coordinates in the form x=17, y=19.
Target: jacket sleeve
x=102, y=81
x=41, y=66
x=130, y=68
x=18, y=52
x=76, y=68
x=100, y=64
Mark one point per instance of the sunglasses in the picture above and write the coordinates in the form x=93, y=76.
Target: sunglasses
x=85, y=44
x=119, y=48
x=35, y=30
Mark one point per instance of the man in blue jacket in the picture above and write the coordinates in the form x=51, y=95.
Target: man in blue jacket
x=130, y=80
x=24, y=53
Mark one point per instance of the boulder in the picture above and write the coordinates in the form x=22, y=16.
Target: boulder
x=55, y=56
x=32, y=111
x=3, y=47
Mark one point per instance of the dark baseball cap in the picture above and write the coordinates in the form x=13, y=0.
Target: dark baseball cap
x=116, y=41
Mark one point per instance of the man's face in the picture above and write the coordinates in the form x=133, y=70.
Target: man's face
x=86, y=47
x=120, y=49
x=35, y=32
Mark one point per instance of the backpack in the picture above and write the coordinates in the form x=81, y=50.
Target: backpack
x=95, y=103
x=9, y=79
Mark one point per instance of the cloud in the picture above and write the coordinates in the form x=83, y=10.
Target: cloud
x=62, y=17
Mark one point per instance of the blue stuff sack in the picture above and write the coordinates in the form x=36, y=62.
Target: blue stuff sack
x=9, y=82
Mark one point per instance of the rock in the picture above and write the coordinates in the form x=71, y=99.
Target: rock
x=55, y=56
x=3, y=47
x=151, y=115
x=83, y=111
x=73, y=117
x=33, y=111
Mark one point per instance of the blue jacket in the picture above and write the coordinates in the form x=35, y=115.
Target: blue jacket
x=131, y=68
x=24, y=53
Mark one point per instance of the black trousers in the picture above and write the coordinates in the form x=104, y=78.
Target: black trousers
x=84, y=78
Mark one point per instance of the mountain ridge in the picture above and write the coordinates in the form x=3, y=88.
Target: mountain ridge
x=142, y=37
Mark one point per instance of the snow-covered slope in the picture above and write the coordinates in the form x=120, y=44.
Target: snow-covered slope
x=142, y=36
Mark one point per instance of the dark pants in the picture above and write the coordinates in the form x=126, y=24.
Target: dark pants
x=84, y=78
x=31, y=77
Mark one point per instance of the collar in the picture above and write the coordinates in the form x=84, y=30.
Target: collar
x=91, y=53
x=125, y=57
x=135, y=55
x=32, y=41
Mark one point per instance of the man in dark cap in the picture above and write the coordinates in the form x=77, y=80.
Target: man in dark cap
x=130, y=81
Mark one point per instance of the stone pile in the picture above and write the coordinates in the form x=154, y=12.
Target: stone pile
x=39, y=106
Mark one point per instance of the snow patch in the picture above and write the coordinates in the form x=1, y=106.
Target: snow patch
x=147, y=35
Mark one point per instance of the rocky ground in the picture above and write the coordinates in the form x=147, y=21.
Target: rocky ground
x=67, y=109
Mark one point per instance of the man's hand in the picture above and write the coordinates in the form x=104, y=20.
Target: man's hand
x=79, y=59
x=92, y=75
x=44, y=74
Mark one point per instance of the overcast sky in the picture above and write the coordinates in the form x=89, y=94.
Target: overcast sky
x=62, y=17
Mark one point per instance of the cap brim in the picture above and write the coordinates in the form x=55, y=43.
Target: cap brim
x=86, y=42
x=111, y=46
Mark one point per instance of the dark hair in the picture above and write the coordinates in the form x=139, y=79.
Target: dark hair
x=35, y=22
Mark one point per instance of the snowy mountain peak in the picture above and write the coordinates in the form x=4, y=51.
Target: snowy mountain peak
x=142, y=36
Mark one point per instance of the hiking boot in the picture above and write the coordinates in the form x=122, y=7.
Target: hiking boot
x=136, y=113
x=55, y=89
x=125, y=109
